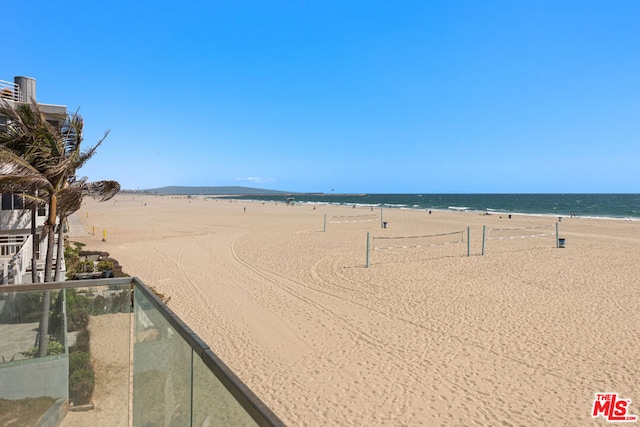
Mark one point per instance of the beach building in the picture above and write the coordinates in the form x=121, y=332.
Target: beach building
x=16, y=244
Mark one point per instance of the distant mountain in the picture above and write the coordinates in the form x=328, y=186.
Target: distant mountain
x=218, y=191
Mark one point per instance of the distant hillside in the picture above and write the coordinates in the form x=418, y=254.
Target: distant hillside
x=218, y=191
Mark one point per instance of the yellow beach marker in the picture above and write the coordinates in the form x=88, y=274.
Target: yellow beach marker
x=104, y=235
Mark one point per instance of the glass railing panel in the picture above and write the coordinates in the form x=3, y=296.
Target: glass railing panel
x=213, y=404
x=162, y=369
x=87, y=360
x=99, y=337
x=22, y=362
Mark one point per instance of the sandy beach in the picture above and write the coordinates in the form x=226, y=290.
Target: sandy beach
x=524, y=335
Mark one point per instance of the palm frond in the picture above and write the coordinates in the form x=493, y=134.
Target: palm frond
x=88, y=154
x=34, y=200
x=69, y=200
x=101, y=190
x=72, y=133
x=17, y=175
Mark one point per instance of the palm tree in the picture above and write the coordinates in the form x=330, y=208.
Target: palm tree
x=47, y=159
x=74, y=190
x=23, y=137
x=31, y=138
x=36, y=155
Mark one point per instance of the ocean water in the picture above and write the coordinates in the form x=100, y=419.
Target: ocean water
x=617, y=206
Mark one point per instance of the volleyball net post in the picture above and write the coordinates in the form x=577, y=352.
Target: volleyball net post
x=468, y=241
x=367, y=262
x=324, y=227
x=484, y=235
x=557, y=238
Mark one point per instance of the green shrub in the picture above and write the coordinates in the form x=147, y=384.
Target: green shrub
x=86, y=266
x=77, y=298
x=70, y=252
x=105, y=265
x=56, y=320
x=54, y=347
x=77, y=310
x=71, y=258
x=122, y=302
x=79, y=360
x=81, y=385
x=78, y=318
x=82, y=340
x=99, y=305
x=29, y=306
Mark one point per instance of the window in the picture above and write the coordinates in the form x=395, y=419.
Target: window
x=12, y=201
x=18, y=201
x=7, y=201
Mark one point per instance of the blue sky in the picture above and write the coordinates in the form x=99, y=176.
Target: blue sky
x=355, y=96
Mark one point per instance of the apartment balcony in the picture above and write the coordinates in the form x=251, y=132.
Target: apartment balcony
x=10, y=91
x=23, y=89
x=116, y=356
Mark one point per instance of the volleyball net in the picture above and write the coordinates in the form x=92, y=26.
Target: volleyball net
x=350, y=219
x=394, y=244
x=128, y=202
x=512, y=238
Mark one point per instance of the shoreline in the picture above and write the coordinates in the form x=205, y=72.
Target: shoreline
x=566, y=210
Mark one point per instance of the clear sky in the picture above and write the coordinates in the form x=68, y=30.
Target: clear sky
x=351, y=96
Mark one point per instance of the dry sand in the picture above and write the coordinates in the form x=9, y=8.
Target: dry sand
x=524, y=335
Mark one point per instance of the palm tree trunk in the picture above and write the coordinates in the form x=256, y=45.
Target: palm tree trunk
x=43, y=330
x=51, y=234
x=34, y=246
x=60, y=253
